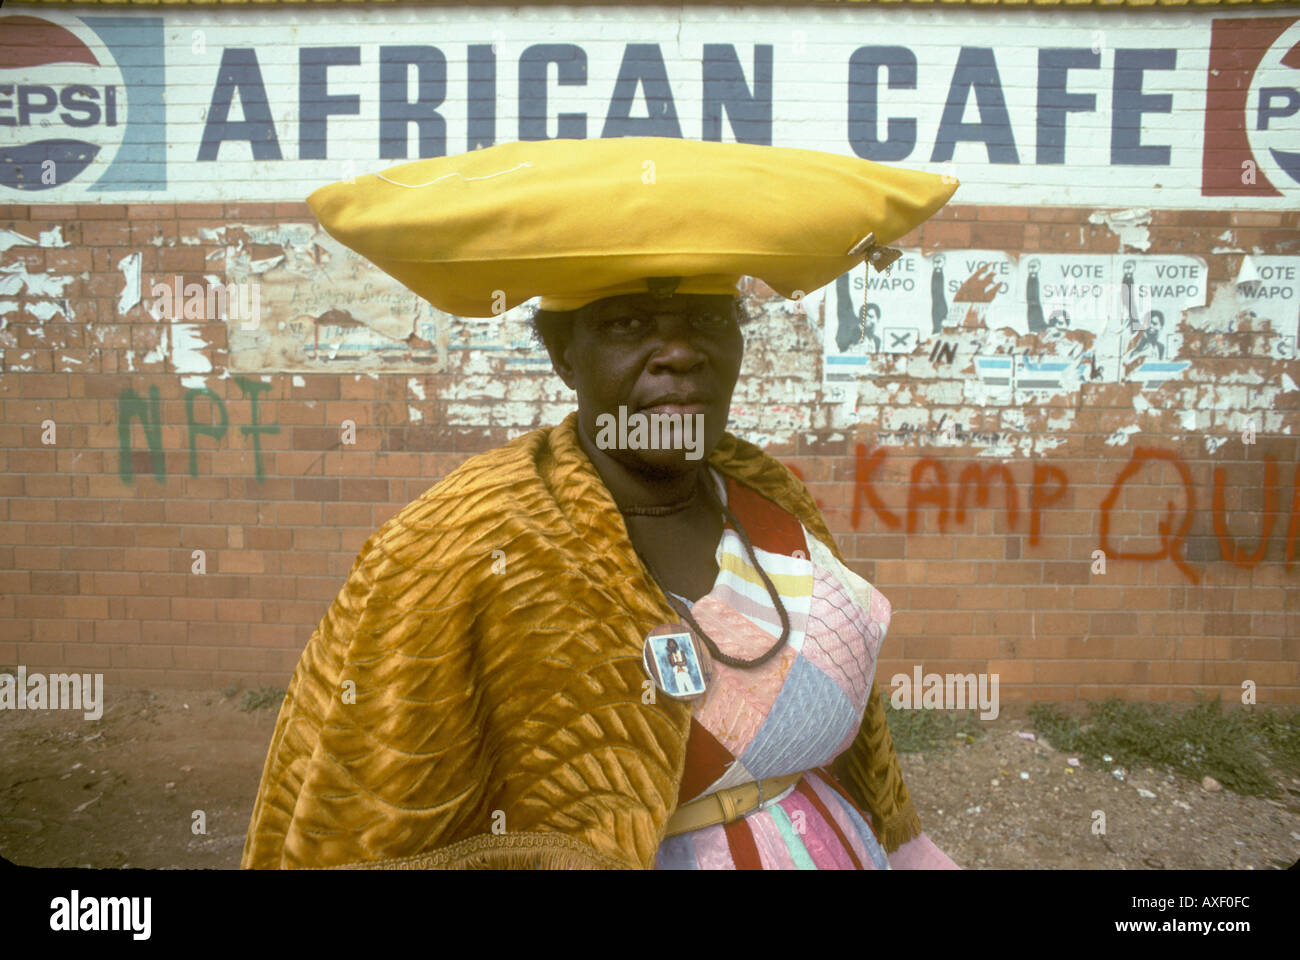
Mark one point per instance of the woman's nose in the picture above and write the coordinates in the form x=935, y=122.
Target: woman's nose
x=675, y=340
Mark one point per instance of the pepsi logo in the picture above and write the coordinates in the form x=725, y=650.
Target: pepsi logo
x=1273, y=111
x=62, y=104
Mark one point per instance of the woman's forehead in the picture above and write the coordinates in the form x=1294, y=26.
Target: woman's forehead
x=675, y=303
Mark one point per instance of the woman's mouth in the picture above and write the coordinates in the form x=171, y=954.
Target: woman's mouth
x=685, y=409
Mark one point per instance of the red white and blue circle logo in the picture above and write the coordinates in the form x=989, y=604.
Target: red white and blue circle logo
x=1252, y=108
x=69, y=116
x=1273, y=125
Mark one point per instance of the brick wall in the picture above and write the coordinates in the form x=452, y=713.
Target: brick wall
x=97, y=544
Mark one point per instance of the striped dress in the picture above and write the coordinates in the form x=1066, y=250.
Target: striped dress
x=795, y=713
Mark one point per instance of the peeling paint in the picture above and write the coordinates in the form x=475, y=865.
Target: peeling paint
x=1131, y=226
x=1009, y=393
x=43, y=310
x=8, y=238
x=130, y=295
x=1121, y=436
x=47, y=238
x=14, y=279
x=188, y=353
x=325, y=307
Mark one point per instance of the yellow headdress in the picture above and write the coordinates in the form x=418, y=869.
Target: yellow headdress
x=574, y=221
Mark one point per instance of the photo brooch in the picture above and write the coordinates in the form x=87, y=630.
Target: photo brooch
x=677, y=662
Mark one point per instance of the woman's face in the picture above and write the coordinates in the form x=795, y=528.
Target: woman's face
x=678, y=355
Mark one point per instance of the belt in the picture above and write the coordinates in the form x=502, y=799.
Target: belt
x=726, y=806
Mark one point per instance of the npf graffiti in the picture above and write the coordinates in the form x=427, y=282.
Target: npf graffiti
x=132, y=407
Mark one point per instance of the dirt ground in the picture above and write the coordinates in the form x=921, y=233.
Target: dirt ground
x=122, y=791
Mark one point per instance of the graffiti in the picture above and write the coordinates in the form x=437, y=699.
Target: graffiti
x=1172, y=540
x=913, y=434
x=1047, y=486
x=1171, y=544
x=929, y=487
x=930, y=484
x=131, y=406
x=1226, y=544
x=943, y=352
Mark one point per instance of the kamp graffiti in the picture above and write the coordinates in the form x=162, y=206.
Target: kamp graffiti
x=928, y=486
x=951, y=490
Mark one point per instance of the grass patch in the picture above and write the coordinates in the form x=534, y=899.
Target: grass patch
x=1236, y=748
x=262, y=697
x=922, y=731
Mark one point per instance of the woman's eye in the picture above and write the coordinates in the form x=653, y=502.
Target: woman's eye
x=712, y=321
x=636, y=325
x=629, y=323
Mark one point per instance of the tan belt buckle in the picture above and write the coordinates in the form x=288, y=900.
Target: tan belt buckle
x=727, y=802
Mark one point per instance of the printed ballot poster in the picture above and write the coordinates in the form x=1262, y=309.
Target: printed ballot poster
x=1146, y=302
x=1127, y=307
x=1268, y=291
x=1057, y=291
x=870, y=312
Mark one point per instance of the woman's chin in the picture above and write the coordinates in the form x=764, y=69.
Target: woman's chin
x=666, y=463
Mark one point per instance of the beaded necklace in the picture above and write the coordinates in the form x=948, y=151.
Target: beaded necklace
x=712, y=496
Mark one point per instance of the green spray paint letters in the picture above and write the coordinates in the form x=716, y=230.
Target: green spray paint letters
x=131, y=406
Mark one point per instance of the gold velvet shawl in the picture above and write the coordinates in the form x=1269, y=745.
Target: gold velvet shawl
x=474, y=695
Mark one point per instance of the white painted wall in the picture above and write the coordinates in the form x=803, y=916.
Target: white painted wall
x=178, y=53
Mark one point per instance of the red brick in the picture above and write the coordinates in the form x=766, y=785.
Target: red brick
x=193, y=210
x=1255, y=218
x=250, y=211
x=101, y=211
x=38, y=655
x=1057, y=214
x=195, y=658
x=947, y=235
x=105, y=233
x=293, y=211
x=147, y=232
x=1004, y=214
x=151, y=211
x=997, y=236
x=1011, y=672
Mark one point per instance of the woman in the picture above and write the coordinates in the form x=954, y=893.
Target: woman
x=479, y=694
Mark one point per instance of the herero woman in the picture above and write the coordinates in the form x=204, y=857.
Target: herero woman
x=493, y=684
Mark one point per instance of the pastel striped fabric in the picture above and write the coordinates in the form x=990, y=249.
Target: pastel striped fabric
x=795, y=713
